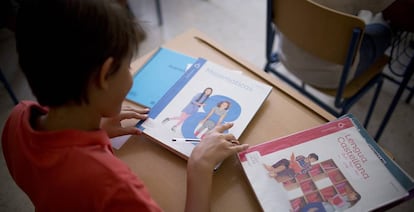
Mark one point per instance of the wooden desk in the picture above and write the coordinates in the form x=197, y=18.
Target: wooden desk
x=285, y=111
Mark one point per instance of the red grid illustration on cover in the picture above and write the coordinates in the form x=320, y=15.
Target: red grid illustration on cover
x=321, y=185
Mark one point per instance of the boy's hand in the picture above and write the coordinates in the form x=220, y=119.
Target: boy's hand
x=215, y=147
x=113, y=126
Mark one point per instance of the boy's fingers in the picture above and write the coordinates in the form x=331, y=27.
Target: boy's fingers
x=132, y=130
x=230, y=138
x=240, y=147
x=224, y=127
x=128, y=131
x=132, y=115
x=234, y=141
x=131, y=109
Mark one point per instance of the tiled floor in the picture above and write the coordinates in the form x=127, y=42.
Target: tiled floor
x=240, y=27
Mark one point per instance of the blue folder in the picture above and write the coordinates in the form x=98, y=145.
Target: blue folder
x=157, y=76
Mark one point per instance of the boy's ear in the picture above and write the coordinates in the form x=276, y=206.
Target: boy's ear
x=104, y=72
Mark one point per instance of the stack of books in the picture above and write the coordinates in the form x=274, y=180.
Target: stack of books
x=190, y=96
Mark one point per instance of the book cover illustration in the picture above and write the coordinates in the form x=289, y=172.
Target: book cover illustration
x=207, y=95
x=329, y=168
x=164, y=68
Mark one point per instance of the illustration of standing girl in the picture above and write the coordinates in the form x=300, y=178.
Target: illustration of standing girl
x=191, y=108
x=209, y=122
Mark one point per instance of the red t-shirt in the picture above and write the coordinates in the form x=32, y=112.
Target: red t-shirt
x=69, y=170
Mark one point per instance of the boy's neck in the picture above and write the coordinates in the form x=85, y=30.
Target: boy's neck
x=69, y=117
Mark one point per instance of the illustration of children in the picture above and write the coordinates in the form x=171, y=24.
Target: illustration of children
x=192, y=107
x=292, y=167
x=220, y=111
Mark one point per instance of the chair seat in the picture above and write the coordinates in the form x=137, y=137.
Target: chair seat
x=358, y=83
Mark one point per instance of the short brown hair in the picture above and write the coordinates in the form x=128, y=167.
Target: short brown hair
x=61, y=44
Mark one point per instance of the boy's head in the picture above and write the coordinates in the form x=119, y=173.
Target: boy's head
x=63, y=44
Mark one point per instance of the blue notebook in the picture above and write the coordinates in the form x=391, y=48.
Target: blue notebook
x=157, y=76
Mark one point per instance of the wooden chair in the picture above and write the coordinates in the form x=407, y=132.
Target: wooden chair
x=329, y=35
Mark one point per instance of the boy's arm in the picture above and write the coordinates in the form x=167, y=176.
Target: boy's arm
x=212, y=149
x=199, y=183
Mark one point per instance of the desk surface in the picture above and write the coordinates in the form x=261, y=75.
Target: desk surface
x=285, y=111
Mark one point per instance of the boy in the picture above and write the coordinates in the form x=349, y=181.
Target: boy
x=76, y=55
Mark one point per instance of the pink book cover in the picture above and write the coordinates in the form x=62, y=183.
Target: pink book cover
x=347, y=166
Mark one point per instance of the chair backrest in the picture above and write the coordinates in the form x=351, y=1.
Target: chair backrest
x=320, y=31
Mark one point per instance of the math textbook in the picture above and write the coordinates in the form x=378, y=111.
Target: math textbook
x=333, y=167
x=207, y=95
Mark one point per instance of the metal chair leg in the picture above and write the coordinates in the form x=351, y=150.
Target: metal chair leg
x=8, y=87
x=408, y=100
x=373, y=103
x=159, y=14
x=408, y=73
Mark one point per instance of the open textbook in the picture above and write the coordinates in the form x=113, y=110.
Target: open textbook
x=206, y=95
x=333, y=167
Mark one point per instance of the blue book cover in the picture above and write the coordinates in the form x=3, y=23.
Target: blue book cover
x=158, y=75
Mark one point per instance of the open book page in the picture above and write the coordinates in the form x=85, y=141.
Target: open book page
x=207, y=95
x=330, y=167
